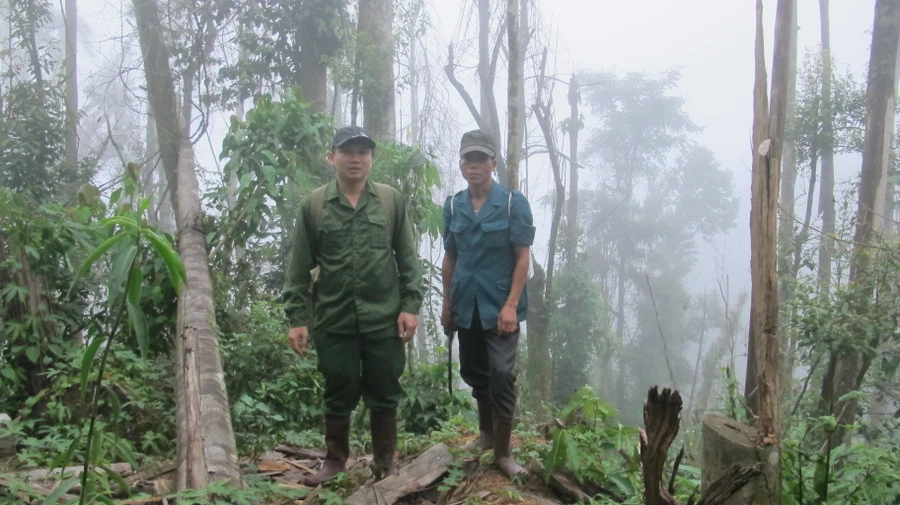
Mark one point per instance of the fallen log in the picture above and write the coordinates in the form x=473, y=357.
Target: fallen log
x=418, y=475
x=302, y=453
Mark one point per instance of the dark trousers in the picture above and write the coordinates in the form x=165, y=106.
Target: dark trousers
x=366, y=366
x=487, y=363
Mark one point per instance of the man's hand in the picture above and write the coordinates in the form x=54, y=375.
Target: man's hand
x=299, y=337
x=406, y=325
x=447, y=319
x=507, y=322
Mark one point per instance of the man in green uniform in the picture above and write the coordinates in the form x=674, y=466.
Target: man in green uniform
x=488, y=232
x=367, y=292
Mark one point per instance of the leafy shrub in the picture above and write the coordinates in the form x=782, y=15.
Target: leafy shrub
x=428, y=404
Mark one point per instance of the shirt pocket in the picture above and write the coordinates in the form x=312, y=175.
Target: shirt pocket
x=333, y=235
x=376, y=231
x=496, y=233
x=456, y=228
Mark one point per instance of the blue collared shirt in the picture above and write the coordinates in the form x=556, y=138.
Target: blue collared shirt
x=486, y=258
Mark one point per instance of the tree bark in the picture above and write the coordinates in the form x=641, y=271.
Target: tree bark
x=572, y=203
x=826, y=192
x=375, y=26
x=151, y=158
x=313, y=75
x=768, y=138
x=786, y=273
x=514, y=143
x=849, y=366
x=206, y=446
x=71, y=82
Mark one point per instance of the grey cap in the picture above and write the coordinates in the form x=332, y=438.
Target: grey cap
x=477, y=140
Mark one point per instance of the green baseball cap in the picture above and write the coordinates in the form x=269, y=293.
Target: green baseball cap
x=477, y=140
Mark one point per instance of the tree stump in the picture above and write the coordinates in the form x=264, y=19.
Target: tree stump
x=7, y=444
x=727, y=443
x=662, y=416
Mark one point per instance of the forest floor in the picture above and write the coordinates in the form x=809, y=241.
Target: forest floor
x=440, y=474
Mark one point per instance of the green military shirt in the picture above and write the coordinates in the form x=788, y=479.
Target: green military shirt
x=365, y=277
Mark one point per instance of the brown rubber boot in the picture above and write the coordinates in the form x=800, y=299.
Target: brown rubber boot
x=502, y=451
x=485, y=438
x=337, y=445
x=384, y=441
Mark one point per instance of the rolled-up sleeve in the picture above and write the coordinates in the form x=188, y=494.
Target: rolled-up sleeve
x=521, y=222
x=450, y=238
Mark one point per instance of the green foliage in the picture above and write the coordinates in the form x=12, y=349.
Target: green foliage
x=857, y=474
x=428, y=404
x=265, y=407
x=590, y=443
x=273, y=36
x=580, y=330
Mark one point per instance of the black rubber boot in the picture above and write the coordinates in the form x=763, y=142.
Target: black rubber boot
x=485, y=438
x=502, y=451
x=337, y=444
x=384, y=442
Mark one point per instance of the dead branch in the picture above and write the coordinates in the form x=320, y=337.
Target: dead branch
x=661, y=333
x=450, y=70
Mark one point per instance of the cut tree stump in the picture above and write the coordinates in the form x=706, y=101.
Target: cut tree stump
x=7, y=444
x=418, y=475
x=730, y=447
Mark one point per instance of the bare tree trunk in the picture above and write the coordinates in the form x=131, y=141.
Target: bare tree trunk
x=206, y=446
x=768, y=138
x=313, y=75
x=487, y=71
x=515, y=81
x=572, y=204
x=151, y=158
x=71, y=82
x=690, y=405
x=826, y=193
x=414, y=129
x=850, y=367
x=376, y=19
x=786, y=273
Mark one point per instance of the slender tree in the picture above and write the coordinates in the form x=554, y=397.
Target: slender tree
x=848, y=367
x=206, y=445
x=826, y=191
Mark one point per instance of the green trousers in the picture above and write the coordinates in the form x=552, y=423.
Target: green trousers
x=366, y=366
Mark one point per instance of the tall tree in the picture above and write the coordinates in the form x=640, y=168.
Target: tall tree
x=574, y=126
x=71, y=82
x=515, y=81
x=848, y=366
x=826, y=192
x=206, y=445
x=486, y=114
x=375, y=39
x=786, y=212
x=768, y=142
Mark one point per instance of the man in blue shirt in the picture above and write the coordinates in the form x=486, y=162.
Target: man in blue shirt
x=488, y=232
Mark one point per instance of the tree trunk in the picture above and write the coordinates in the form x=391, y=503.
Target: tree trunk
x=515, y=81
x=572, y=204
x=206, y=446
x=849, y=367
x=313, y=75
x=768, y=135
x=487, y=71
x=375, y=26
x=414, y=129
x=826, y=193
x=786, y=225
x=71, y=82
x=151, y=158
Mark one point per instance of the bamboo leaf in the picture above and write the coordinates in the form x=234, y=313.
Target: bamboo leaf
x=88, y=360
x=135, y=281
x=173, y=262
x=94, y=256
x=53, y=498
x=121, y=264
x=139, y=324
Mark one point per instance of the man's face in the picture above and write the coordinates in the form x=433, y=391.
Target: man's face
x=476, y=167
x=351, y=161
